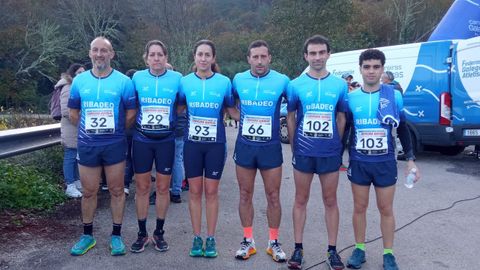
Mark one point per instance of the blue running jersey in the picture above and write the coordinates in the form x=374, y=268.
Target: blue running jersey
x=102, y=102
x=316, y=102
x=260, y=100
x=205, y=100
x=372, y=141
x=157, y=103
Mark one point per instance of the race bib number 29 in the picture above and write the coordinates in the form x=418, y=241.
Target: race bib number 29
x=202, y=129
x=155, y=117
x=99, y=121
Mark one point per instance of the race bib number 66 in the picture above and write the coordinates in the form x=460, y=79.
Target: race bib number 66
x=257, y=128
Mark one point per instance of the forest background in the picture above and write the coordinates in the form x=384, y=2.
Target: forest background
x=39, y=39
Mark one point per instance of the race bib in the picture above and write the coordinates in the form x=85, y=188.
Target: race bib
x=99, y=121
x=155, y=117
x=318, y=125
x=257, y=128
x=203, y=129
x=372, y=141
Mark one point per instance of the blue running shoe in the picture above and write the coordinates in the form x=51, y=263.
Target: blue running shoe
x=389, y=262
x=85, y=243
x=210, y=248
x=357, y=259
x=197, y=247
x=117, y=247
x=334, y=261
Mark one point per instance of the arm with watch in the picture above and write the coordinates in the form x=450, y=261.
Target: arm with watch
x=406, y=141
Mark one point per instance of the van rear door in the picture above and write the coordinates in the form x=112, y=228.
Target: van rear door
x=465, y=91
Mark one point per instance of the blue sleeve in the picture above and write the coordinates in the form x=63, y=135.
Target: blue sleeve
x=129, y=97
x=285, y=87
x=292, y=98
x=234, y=88
x=399, y=103
x=342, y=105
x=74, y=99
x=229, y=100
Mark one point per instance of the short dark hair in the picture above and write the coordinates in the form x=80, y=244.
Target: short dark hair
x=316, y=39
x=257, y=44
x=372, y=54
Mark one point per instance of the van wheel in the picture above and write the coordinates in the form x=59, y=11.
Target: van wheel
x=283, y=130
x=451, y=150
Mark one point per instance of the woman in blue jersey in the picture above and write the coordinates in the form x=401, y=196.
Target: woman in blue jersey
x=205, y=93
x=154, y=139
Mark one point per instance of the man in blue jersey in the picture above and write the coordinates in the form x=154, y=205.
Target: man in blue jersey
x=316, y=121
x=259, y=92
x=376, y=110
x=102, y=102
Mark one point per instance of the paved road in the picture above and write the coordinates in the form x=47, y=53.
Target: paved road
x=441, y=240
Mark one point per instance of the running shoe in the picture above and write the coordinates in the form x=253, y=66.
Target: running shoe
x=140, y=244
x=210, y=248
x=72, y=191
x=85, y=243
x=296, y=261
x=160, y=243
x=357, y=259
x=389, y=262
x=276, y=251
x=334, y=261
x=197, y=247
x=247, y=248
x=117, y=246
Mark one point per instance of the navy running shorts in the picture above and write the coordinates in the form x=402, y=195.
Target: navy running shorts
x=104, y=155
x=261, y=157
x=380, y=174
x=204, y=159
x=318, y=165
x=144, y=154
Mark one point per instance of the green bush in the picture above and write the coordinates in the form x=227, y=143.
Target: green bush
x=25, y=187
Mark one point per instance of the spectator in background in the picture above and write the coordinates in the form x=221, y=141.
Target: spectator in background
x=389, y=78
x=69, y=134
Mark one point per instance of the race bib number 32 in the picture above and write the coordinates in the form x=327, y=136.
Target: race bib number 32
x=318, y=125
x=257, y=128
x=155, y=117
x=203, y=129
x=99, y=121
x=372, y=141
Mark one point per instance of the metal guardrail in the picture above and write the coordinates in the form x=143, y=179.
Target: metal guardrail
x=23, y=140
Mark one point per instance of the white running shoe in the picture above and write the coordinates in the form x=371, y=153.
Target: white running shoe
x=247, y=248
x=78, y=185
x=72, y=191
x=127, y=191
x=276, y=251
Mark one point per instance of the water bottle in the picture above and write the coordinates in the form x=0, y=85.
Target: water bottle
x=411, y=178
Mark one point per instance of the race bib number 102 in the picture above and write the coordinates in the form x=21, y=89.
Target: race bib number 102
x=99, y=121
x=318, y=125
